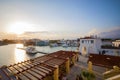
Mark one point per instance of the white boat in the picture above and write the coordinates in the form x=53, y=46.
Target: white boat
x=54, y=45
x=64, y=45
x=31, y=50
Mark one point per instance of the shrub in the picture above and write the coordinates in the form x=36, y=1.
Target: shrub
x=88, y=75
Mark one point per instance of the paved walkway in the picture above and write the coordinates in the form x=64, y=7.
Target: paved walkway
x=82, y=65
x=75, y=70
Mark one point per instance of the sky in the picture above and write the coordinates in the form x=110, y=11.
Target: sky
x=65, y=17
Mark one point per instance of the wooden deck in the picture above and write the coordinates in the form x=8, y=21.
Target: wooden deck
x=37, y=68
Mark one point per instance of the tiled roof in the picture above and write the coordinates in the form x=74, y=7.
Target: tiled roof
x=88, y=38
x=104, y=60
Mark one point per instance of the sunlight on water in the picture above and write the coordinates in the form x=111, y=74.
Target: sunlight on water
x=19, y=45
x=10, y=54
x=19, y=54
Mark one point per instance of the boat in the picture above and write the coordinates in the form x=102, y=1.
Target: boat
x=65, y=45
x=31, y=50
x=54, y=45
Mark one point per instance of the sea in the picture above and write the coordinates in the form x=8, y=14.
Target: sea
x=11, y=54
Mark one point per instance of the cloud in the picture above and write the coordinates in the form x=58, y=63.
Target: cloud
x=110, y=33
x=51, y=35
x=92, y=32
x=113, y=33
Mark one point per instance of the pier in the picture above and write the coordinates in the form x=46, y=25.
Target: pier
x=48, y=67
x=35, y=51
x=41, y=52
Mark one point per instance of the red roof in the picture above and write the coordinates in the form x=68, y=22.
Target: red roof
x=104, y=60
x=88, y=38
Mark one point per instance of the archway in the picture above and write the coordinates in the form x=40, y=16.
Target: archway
x=84, y=51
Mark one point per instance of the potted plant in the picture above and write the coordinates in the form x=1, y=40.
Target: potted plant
x=86, y=75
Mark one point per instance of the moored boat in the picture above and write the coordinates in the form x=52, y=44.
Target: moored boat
x=31, y=50
x=65, y=45
x=54, y=45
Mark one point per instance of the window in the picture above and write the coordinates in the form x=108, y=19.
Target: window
x=92, y=41
x=88, y=41
x=82, y=41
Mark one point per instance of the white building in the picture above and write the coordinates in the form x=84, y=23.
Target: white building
x=90, y=45
x=106, y=42
x=116, y=43
x=96, y=46
x=111, y=51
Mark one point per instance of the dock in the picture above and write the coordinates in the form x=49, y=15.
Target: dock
x=48, y=67
x=35, y=52
x=41, y=52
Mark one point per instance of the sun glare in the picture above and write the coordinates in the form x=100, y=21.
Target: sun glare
x=19, y=54
x=19, y=27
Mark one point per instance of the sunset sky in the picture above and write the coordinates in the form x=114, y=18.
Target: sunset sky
x=66, y=17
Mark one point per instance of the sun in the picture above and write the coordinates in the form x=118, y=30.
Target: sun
x=19, y=27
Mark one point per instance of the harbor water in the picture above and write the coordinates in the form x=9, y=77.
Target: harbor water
x=10, y=54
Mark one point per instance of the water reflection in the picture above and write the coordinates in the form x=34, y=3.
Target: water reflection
x=19, y=45
x=20, y=55
x=10, y=54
